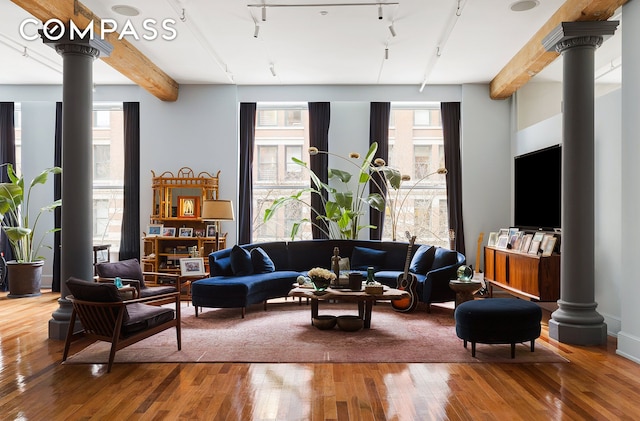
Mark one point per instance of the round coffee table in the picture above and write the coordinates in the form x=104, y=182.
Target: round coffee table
x=464, y=289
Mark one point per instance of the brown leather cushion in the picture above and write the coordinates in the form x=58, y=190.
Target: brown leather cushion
x=95, y=292
x=144, y=316
x=125, y=269
x=152, y=291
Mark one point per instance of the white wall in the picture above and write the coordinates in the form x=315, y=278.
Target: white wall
x=486, y=176
x=629, y=336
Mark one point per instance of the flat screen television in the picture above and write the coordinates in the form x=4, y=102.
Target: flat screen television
x=537, y=189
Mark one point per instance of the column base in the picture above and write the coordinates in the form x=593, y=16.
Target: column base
x=59, y=324
x=577, y=324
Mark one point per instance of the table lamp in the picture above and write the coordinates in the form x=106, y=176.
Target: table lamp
x=217, y=210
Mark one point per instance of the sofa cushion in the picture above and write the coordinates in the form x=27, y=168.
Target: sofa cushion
x=363, y=257
x=125, y=269
x=145, y=316
x=221, y=266
x=261, y=261
x=96, y=292
x=444, y=257
x=241, y=261
x=422, y=259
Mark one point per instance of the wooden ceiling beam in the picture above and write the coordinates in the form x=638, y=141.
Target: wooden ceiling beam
x=125, y=58
x=532, y=58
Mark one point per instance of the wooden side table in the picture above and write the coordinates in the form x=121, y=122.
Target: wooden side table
x=464, y=289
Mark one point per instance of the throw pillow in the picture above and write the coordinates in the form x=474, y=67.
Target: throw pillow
x=125, y=269
x=221, y=266
x=241, y=261
x=261, y=261
x=362, y=258
x=422, y=260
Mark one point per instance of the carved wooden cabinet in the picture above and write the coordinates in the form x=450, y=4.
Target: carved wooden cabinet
x=177, y=202
x=524, y=275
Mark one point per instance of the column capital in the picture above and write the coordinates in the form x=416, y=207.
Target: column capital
x=574, y=34
x=88, y=44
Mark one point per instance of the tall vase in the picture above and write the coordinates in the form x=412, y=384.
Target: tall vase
x=24, y=278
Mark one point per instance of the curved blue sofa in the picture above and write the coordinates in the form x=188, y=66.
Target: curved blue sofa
x=232, y=285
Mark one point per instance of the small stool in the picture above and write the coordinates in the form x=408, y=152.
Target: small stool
x=498, y=321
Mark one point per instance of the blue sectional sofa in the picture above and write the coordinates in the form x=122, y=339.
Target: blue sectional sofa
x=253, y=273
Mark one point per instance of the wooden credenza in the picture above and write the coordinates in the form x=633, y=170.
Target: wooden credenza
x=524, y=275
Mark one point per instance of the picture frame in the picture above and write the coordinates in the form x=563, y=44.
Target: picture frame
x=211, y=231
x=514, y=240
x=526, y=243
x=154, y=230
x=503, y=240
x=188, y=206
x=503, y=231
x=169, y=231
x=493, y=239
x=535, y=246
x=185, y=232
x=192, y=266
x=547, y=250
x=198, y=232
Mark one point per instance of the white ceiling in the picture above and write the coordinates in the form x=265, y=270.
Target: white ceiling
x=216, y=45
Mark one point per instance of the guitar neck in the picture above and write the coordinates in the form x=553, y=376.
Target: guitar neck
x=408, y=259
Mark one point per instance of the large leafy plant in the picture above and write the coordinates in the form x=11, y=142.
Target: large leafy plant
x=15, y=216
x=343, y=206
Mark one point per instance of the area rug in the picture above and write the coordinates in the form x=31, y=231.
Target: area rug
x=284, y=334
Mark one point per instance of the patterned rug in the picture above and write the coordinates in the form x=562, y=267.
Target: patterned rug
x=284, y=333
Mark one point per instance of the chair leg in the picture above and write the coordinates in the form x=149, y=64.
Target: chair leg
x=464, y=342
x=244, y=311
x=265, y=305
x=533, y=345
x=513, y=350
x=67, y=343
x=473, y=349
x=196, y=307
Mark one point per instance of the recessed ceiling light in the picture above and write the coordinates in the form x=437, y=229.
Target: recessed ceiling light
x=324, y=12
x=123, y=9
x=524, y=5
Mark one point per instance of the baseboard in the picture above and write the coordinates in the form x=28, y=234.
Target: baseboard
x=628, y=346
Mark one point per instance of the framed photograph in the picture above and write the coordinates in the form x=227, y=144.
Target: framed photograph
x=188, y=206
x=211, y=231
x=526, y=243
x=547, y=250
x=185, y=232
x=503, y=231
x=169, y=231
x=538, y=236
x=514, y=240
x=503, y=240
x=513, y=231
x=535, y=246
x=493, y=239
x=154, y=230
x=192, y=266
x=198, y=232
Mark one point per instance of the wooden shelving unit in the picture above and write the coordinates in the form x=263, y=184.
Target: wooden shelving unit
x=162, y=254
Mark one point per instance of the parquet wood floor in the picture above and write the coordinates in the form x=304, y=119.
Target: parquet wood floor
x=597, y=384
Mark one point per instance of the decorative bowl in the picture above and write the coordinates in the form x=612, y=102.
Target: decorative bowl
x=350, y=323
x=320, y=284
x=324, y=322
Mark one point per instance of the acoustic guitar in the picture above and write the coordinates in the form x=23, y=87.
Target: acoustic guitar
x=407, y=282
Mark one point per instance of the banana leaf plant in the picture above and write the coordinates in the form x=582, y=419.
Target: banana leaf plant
x=15, y=215
x=342, y=207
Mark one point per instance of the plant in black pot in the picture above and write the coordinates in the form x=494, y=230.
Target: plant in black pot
x=24, y=272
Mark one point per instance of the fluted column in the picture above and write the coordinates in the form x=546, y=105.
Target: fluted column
x=77, y=168
x=576, y=321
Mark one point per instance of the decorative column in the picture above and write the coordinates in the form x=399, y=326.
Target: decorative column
x=77, y=167
x=576, y=321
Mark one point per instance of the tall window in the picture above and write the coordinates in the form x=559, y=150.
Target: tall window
x=281, y=135
x=416, y=148
x=17, y=125
x=108, y=173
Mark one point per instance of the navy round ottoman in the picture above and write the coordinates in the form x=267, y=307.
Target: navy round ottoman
x=498, y=321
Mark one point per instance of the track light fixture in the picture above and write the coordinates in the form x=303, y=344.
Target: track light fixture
x=272, y=68
x=256, y=31
x=392, y=30
x=264, y=13
x=386, y=53
x=380, y=11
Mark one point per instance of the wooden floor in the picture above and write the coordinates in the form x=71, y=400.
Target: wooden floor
x=596, y=384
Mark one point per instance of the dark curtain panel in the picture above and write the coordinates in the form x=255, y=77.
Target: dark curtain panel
x=245, y=196
x=378, y=132
x=451, y=133
x=7, y=155
x=57, y=194
x=130, y=232
x=319, y=118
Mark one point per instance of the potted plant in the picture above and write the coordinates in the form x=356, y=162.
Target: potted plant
x=25, y=271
